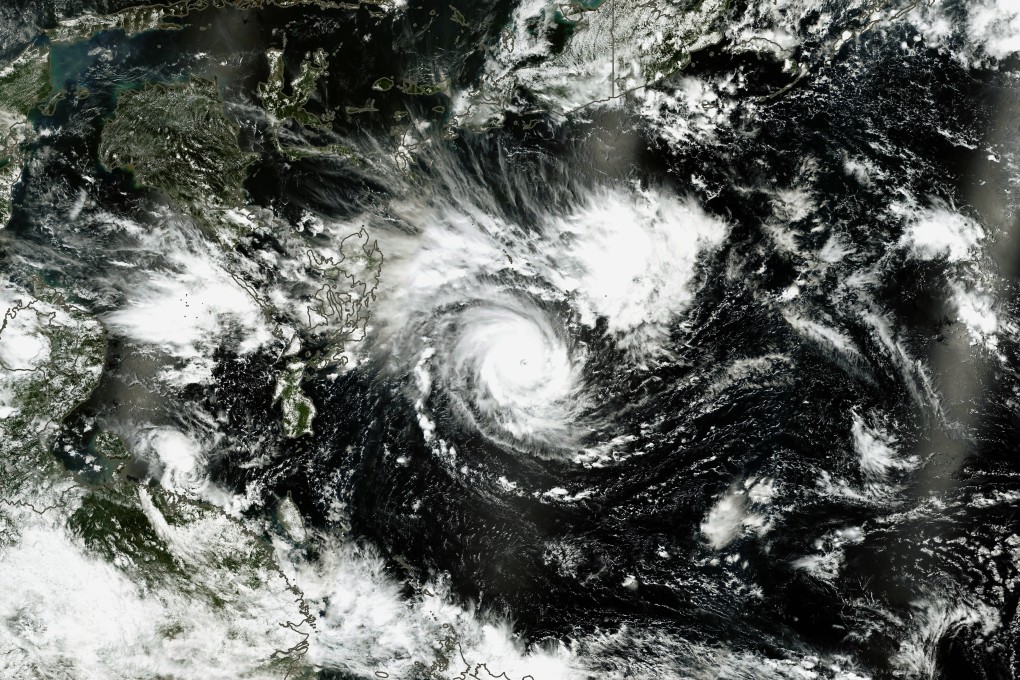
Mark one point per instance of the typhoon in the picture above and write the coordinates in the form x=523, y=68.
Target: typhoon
x=536, y=341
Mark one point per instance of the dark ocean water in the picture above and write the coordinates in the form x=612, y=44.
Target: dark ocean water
x=740, y=403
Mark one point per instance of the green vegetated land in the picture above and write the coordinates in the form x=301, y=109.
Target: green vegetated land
x=176, y=138
x=24, y=85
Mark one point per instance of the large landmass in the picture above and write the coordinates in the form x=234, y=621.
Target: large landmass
x=176, y=139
